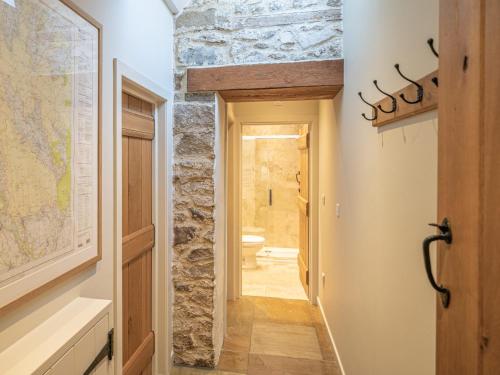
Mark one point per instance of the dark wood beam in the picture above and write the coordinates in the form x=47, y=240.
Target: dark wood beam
x=293, y=93
x=284, y=81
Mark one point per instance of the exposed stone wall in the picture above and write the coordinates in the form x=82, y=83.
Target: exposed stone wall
x=193, y=261
x=224, y=32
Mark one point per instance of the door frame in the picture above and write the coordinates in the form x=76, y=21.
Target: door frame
x=234, y=268
x=127, y=79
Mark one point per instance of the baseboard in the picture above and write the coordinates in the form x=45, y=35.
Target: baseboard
x=330, y=335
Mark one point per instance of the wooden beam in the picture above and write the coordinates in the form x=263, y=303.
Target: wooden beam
x=405, y=110
x=294, y=93
x=329, y=73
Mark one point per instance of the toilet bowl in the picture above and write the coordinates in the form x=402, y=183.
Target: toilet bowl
x=251, y=245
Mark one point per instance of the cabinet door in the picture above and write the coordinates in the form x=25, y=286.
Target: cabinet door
x=66, y=365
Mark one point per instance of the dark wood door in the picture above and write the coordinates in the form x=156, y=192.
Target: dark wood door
x=468, y=331
x=138, y=236
x=303, y=204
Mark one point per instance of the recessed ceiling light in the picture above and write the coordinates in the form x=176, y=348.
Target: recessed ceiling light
x=280, y=136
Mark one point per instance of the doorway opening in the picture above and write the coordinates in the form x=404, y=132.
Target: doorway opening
x=271, y=164
x=271, y=181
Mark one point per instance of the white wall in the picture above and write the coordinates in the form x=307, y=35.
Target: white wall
x=140, y=34
x=377, y=300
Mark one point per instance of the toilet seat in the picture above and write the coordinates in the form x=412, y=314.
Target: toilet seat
x=250, y=239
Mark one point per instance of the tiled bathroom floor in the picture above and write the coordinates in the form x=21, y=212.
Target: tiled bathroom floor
x=269, y=336
x=274, y=277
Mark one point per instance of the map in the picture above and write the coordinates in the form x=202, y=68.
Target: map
x=48, y=135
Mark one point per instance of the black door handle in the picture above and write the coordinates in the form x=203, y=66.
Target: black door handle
x=445, y=236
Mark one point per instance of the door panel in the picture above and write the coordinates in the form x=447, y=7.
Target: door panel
x=138, y=235
x=468, y=331
x=490, y=258
x=303, y=204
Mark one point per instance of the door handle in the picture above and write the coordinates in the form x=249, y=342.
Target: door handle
x=445, y=236
x=270, y=197
x=297, y=177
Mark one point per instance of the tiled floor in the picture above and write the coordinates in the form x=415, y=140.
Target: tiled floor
x=270, y=336
x=274, y=277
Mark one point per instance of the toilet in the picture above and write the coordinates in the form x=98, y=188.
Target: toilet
x=251, y=245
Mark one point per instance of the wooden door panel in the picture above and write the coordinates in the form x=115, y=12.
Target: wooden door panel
x=468, y=332
x=490, y=262
x=135, y=185
x=303, y=204
x=146, y=178
x=135, y=244
x=458, y=186
x=138, y=236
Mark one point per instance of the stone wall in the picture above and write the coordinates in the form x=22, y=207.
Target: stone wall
x=224, y=32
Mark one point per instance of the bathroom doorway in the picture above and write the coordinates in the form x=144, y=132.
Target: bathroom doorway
x=272, y=152
x=274, y=200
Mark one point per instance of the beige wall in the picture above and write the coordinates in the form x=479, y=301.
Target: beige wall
x=271, y=164
x=140, y=35
x=378, y=303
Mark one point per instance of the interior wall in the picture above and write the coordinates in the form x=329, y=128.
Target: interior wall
x=140, y=34
x=377, y=300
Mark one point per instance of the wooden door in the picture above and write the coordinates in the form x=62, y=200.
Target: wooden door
x=468, y=331
x=138, y=236
x=303, y=204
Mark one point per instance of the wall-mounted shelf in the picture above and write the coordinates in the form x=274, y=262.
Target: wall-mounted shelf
x=405, y=110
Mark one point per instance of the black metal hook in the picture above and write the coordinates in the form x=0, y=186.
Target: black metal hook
x=394, y=103
x=371, y=105
x=430, y=42
x=420, y=88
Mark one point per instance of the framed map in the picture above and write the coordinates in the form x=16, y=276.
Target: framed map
x=50, y=79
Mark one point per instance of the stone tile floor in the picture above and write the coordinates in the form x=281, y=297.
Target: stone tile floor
x=274, y=277
x=271, y=336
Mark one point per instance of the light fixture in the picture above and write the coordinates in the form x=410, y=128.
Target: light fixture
x=278, y=136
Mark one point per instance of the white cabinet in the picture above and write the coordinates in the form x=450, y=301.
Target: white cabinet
x=66, y=365
x=65, y=344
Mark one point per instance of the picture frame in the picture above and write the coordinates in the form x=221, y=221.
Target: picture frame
x=33, y=282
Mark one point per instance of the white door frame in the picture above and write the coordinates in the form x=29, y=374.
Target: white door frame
x=234, y=268
x=126, y=79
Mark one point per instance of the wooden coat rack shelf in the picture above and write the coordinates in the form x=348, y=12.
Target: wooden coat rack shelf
x=404, y=110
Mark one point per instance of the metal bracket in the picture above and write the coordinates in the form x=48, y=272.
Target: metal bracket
x=106, y=351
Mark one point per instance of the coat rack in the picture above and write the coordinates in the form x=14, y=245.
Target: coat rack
x=417, y=97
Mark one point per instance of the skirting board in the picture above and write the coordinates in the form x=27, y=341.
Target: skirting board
x=330, y=335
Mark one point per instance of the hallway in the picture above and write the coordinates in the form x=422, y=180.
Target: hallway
x=267, y=336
